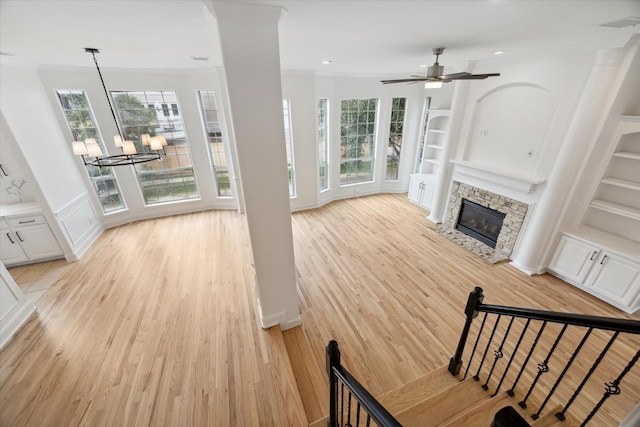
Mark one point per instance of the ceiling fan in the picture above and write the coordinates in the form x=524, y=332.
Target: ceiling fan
x=435, y=74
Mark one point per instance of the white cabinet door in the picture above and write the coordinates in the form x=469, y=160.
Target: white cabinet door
x=415, y=188
x=38, y=241
x=427, y=195
x=574, y=259
x=616, y=277
x=10, y=250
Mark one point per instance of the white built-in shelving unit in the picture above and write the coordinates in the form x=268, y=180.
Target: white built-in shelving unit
x=423, y=183
x=602, y=255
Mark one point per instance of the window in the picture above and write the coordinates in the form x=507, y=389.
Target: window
x=396, y=129
x=82, y=125
x=209, y=110
x=165, y=110
x=323, y=143
x=289, y=142
x=174, y=109
x=423, y=136
x=171, y=178
x=357, y=140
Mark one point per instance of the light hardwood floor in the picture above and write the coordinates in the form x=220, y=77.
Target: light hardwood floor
x=156, y=324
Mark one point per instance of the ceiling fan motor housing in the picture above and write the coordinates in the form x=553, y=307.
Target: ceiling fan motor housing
x=435, y=70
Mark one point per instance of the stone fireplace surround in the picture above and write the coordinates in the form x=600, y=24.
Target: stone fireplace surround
x=515, y=212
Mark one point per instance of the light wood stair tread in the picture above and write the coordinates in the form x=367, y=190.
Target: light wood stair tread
x=438, y=409
x=549, y=419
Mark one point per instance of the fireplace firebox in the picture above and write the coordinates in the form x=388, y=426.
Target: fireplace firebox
x=480, y=222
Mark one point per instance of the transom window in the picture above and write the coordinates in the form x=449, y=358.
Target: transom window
x=209, y=110
x=357, y=140
x=82, y=124
x=169, y=179
x=396, y=131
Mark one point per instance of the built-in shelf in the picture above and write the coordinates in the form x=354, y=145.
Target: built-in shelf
x=437, y=147
x=616, y=208
x=437, y=131
x=630, y=185
x=433, y=161
x=627, y=155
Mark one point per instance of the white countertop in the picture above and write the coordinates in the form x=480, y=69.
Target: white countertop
x=19, y=209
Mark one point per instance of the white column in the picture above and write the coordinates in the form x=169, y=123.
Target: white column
x=250, y=52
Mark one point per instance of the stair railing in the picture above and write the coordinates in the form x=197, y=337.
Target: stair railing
x=475, y=306
x=357, y=405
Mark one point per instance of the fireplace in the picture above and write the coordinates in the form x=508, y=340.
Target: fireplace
x=480, y=222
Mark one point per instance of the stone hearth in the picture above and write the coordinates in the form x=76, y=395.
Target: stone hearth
x=514, y=210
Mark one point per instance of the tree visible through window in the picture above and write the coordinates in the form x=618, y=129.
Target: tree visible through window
x=289, y=142
x=396, y=130
x=209, y=109
x=357, y=140
x=82, y=125
x=171, y=178
x=323, y=143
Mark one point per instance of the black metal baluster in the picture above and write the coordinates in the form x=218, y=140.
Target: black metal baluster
x=564, y=371
x=349, y=410
x=513, y=355
x=560, y=415
x=511, y=392
x=486, y=350
x=358, y=413
x=498, y=353
x=368, y=420
x=341, y=404
x=611, y=388
x=543, y=367
x=473, y=352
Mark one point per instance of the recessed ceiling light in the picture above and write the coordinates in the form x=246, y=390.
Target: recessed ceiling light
x=325, y=62
x=200, y=58
x=498, y=52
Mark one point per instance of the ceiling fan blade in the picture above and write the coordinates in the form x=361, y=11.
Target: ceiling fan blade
x=414, y=80
x=454, y=76
x=475, y=76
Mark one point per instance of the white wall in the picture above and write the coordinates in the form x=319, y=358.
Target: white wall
x=33, y=123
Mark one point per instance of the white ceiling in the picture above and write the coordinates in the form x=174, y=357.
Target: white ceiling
x=358, y=36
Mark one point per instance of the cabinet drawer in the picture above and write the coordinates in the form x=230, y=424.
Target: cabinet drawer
x=26, y=221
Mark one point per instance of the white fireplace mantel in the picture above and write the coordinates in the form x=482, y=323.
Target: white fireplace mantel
x=523, y=183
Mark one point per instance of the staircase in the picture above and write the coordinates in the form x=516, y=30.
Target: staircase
x=512, y=347
x=441, y=399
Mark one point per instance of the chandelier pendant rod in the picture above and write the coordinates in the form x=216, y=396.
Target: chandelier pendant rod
x=93, y=52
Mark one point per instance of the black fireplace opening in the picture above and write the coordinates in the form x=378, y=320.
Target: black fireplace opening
x=480, y=222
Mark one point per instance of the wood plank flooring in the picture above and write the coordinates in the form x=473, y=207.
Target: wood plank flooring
x=156, y=324
x=391, y=291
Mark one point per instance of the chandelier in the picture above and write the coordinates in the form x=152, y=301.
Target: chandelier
x=89, y=148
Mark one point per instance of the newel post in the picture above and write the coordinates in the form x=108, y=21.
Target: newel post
x=475, y=299
x=333, y=360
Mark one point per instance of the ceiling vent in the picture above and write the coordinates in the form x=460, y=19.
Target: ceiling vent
x=621, y=23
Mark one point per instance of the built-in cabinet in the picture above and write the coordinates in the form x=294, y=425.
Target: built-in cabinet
x=26, y=239
x=602, y=255
x=421, y=190
x=597, y=269
x=434, y=140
